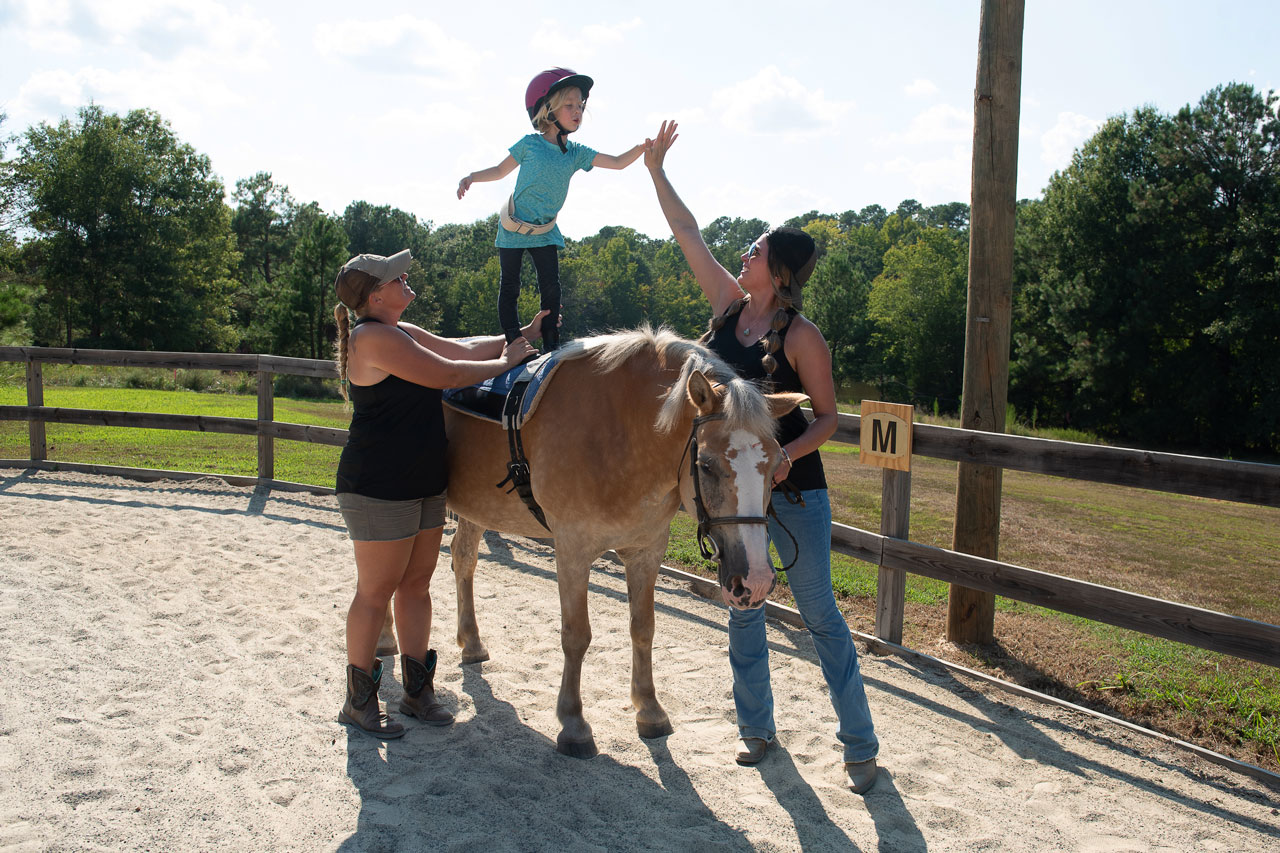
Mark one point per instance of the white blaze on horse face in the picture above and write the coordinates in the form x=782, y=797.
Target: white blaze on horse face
x=750, y=466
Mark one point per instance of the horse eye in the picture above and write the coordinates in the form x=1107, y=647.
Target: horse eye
x=705, y=467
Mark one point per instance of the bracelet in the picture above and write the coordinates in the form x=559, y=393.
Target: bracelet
x=786, y=457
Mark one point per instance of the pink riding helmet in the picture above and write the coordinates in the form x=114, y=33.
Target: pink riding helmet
x=548, y=82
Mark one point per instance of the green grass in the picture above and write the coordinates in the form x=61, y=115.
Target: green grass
x=1211, y=554
x=176, y=450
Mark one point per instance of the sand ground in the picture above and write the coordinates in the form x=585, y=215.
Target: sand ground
x=173, y=666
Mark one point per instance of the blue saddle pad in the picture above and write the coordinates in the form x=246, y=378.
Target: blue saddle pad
x=486, y=399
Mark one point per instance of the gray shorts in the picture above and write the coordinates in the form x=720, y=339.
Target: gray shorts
x=378, y=520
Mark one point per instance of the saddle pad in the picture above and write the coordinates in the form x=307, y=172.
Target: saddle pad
x=485, y=399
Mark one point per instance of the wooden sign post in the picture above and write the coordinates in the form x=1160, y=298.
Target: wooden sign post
x=886, y=442
x=886, y=435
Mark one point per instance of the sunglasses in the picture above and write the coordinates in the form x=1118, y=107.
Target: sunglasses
x=753, y=251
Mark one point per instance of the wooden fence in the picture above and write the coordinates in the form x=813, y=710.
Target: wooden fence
x=890, y=549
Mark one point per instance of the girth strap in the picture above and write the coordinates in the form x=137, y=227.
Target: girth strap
x=518, y=467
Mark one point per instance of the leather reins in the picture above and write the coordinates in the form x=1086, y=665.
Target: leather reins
x=706, y=521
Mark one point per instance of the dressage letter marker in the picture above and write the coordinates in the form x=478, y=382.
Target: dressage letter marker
x=886, y=435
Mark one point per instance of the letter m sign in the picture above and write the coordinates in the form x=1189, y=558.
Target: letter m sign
x=886, y=435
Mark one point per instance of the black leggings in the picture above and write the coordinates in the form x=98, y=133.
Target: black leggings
x=546, y=261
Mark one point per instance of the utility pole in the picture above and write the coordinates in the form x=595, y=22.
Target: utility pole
x=970, y=612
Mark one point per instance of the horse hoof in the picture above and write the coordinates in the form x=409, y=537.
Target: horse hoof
x=387, y=651
x=649, y=731
x=577, y=749
x=475, y=657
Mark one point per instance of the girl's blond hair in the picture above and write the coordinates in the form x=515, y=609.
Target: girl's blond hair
x=542, y=119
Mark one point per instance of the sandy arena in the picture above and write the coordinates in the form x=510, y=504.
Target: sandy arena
x=173, y=667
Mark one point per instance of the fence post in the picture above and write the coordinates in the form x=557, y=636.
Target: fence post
x=266, y=414
x=35, y=397
x=891, y=584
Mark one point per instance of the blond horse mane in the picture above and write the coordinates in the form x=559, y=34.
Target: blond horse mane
x=744, y=404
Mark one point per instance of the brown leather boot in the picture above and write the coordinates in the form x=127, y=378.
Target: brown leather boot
x=362, y=709
x=419, y=691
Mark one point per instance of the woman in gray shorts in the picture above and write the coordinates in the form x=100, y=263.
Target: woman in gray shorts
x=392, y=478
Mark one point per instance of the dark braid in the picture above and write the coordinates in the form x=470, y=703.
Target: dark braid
x=772, y=341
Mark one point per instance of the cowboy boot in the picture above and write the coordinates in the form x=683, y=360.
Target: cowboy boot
x=419, y=691
x=362, y=709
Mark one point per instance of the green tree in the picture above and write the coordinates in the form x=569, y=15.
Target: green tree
x=383, y=230
x=304, y=325
x=1221, y=170
x=18, y=291
x=452, y=257
x=1147, y=310
x=263, y=224
x=836, y=300
x=728, y=239
x=677, y=299
x=918, y=306
x=137, y=250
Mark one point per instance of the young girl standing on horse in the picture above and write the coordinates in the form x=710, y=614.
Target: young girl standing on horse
x=555, y=100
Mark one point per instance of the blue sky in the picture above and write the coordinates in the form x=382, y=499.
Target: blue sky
x=784, y=107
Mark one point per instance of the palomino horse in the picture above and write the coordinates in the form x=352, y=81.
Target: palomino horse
x=609, y=452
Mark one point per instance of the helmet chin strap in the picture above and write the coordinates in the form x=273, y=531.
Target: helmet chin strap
x=564, y=149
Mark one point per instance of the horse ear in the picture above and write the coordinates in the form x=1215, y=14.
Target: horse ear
x=700, y=393
x=780, y=404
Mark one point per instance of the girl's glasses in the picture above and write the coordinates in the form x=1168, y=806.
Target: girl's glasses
x=753, y=251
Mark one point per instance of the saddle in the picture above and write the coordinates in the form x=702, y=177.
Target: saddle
x=510, y=399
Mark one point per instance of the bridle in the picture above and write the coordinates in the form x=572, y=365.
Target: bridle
x=706, y=543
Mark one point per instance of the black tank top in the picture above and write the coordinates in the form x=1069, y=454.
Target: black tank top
x=806, y=471
x=395, y=445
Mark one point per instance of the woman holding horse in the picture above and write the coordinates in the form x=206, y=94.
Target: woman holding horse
x=756, y=327
x=391, y=476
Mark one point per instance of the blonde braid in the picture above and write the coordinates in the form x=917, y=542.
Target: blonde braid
x=343, y=318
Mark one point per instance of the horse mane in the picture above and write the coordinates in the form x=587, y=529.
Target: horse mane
x=744, y=404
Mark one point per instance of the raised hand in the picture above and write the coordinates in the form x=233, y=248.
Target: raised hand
x=655, y=150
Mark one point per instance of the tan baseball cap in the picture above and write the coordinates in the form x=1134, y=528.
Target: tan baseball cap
x=382, y=268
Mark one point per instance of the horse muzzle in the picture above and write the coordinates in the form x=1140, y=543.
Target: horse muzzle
x=745, y=583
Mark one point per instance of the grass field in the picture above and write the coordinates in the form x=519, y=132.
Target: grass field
x=1212, y=554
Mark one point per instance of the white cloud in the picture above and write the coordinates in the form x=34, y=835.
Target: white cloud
x=400, y=41
x=691, y=117
x=934, y=179
x=50, y=92
x=1059, y=142
x=169, y=93
x=157, y=29
x=772, y=103
x=920, y=88
x=553, y=38
x=940, y=123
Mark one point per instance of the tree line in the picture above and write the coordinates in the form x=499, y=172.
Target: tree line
x=1145, y=285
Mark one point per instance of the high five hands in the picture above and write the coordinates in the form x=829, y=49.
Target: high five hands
x=655, y=150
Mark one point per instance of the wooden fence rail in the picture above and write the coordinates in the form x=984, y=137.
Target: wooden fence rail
x=890, y=550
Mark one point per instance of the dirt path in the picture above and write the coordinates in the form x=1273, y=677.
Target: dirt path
x=173, y=665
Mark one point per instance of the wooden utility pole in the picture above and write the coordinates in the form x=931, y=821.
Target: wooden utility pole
x=970, y=612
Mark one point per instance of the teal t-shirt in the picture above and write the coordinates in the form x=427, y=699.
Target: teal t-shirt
x=542, y=186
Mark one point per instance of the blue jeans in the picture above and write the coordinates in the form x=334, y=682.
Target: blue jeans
x=810, y=581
